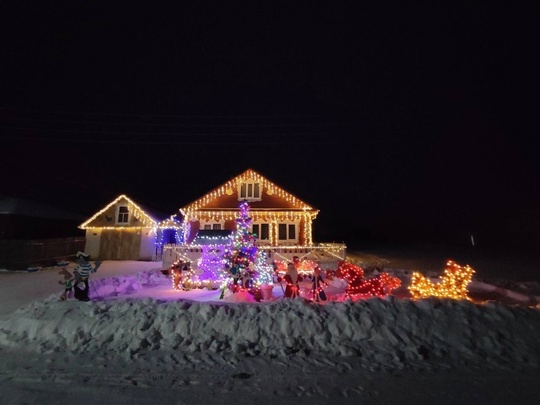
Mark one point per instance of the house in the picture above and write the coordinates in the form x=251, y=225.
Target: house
x=282, y=223
x=124, y=230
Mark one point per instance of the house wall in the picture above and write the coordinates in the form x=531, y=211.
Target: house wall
x=193, y=229
x=147, y=247
x=301, y=226
x=93, y=239
x=230, y=225
x=120, y=244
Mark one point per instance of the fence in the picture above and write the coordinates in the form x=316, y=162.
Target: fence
x=321, y=252
x=21, y=254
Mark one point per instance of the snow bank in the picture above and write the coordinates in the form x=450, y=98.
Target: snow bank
x=120, y=285
x=386, y=330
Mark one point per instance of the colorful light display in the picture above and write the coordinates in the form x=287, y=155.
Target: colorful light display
x=378, y=286
x=264, y=272
x=300, y=213
x=247, y=267
x=453, y=284
x=242, y=253
x=181, y=276
x=248, y=176
x=212, y=263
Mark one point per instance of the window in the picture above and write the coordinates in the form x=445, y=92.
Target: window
x=282, y=231
x=292, y=231
x=287, y=232
x=250, y=191
x=262, y=231
x=123, y=214
x=265, y=232
x=211, y=225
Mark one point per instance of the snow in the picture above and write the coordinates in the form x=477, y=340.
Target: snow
x=139, y=341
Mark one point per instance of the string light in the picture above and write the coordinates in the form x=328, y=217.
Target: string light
x=248, y=175
x=301, y=212
x=453, y=284
x=212, y=263
x=244, y=262
x=133, y=209
x=378, y=286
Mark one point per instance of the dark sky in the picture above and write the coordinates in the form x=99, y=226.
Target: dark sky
x=406, y=122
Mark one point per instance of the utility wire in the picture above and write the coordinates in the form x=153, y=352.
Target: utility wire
x=176, y=116
x=165, y=142
x=144, y=124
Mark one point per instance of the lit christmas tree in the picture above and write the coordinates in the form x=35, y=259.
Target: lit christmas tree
x=242, y=251
x=246, y=265
x=264, y=272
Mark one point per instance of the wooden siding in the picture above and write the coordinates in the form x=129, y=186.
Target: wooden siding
x=120, y=244
x=21, y=254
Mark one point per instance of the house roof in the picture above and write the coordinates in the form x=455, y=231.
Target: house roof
x=19, y=206
x=148, y=219
x=225, y=197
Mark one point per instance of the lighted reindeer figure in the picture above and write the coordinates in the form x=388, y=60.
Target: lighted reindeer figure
x=453, y=284
x=378, y=286
x=175, y=272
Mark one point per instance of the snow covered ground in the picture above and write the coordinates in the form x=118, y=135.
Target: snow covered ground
x=138, y=341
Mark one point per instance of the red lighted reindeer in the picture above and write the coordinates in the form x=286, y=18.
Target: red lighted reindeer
x=378, y=286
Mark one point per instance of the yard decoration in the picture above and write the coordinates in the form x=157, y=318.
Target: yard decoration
x=81, y=273
x=211, y=263
x=292, y=278
x=246, y=266
x=242, y=252
x=453, y=283
x=67, y=283
x=176, y=275
x=318, y=282
x=378, y=286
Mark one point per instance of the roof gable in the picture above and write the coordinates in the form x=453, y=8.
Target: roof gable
x=226, y=196
x=144, y=220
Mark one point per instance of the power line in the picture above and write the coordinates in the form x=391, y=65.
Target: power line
x=144, y=124
x=176, y=116
x=168, y=142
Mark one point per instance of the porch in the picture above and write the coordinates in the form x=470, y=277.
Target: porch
x=326, y=254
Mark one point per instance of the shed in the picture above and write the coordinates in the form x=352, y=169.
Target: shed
x=122, y=230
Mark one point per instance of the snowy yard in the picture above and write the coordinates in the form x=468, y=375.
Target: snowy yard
x=138, y=341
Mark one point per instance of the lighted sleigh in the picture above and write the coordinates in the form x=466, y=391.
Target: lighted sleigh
x=452, y=284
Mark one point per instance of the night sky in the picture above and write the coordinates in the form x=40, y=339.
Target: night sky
x=405, y=123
